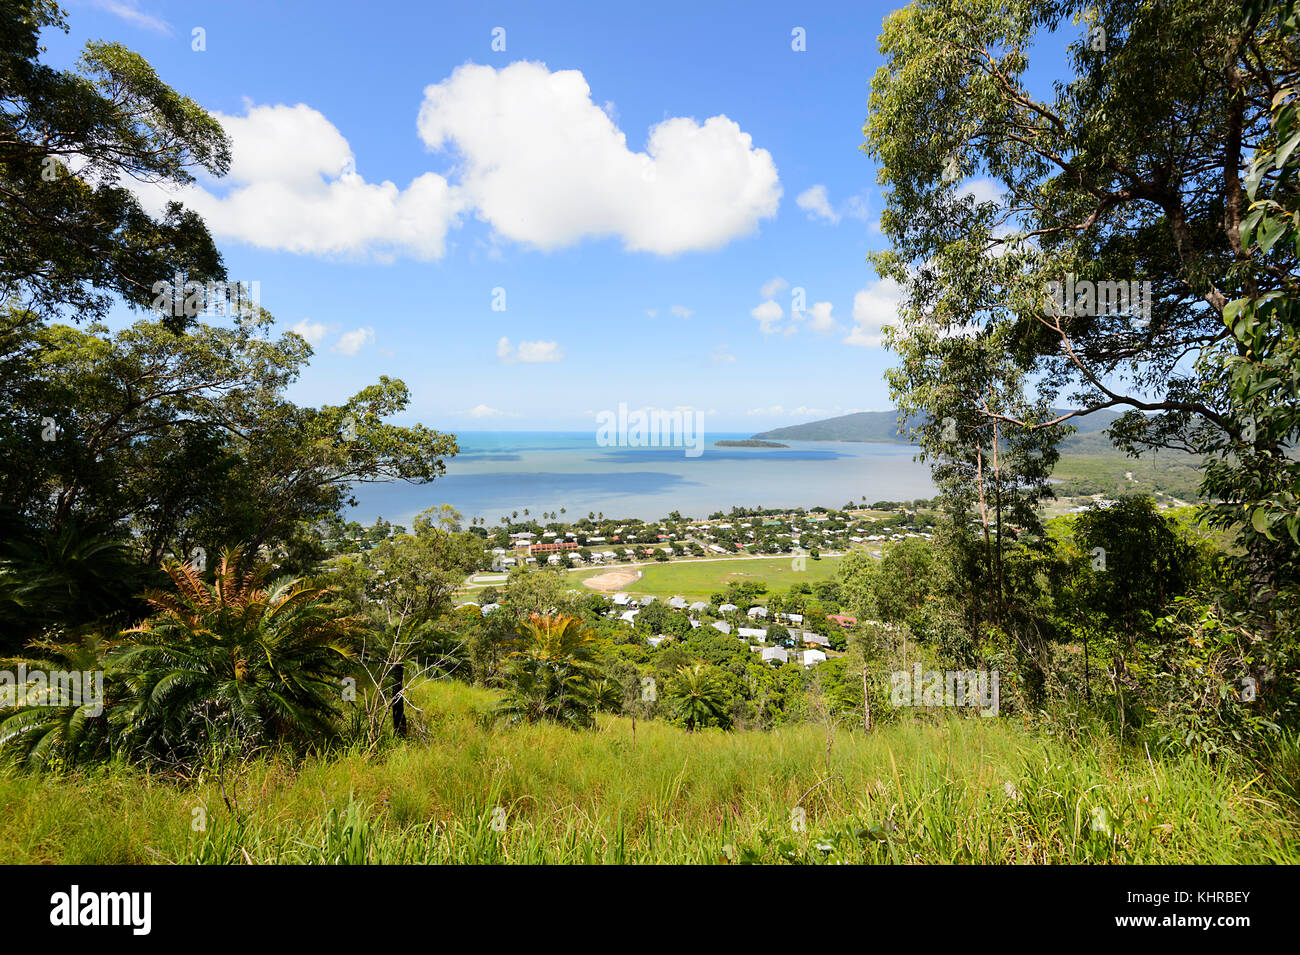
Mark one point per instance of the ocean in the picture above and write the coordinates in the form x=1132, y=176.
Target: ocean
x=499, y=472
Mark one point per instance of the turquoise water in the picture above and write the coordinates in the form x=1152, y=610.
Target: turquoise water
x=498, y=472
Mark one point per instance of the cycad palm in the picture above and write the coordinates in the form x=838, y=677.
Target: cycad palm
x=260, y=666
x=44, y=735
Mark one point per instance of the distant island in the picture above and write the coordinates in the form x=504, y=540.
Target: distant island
x=749, y=443
x=886, y=426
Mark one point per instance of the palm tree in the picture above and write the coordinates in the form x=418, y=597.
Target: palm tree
x=556, y=637
x=696, y=697
x=257, y=665
x=551, y=677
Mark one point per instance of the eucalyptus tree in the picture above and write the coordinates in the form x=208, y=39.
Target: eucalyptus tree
x=1030, y=214
x=73, y=238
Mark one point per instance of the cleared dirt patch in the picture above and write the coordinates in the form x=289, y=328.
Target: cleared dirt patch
x=613, y=579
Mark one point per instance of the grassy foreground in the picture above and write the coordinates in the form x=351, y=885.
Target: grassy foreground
x=964, y=791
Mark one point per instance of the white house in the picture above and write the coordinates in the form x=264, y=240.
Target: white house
x=728, y=608
x=813, y=657
x=488, y=608
x=699, y=606
x=677, y=603
x=694, y=623
x=647, y=600
x=775, y=654
x=722, y=626
x=756, y=612
x=752, y=633
x=629, y=615
x=816, y=639
x=622, y=599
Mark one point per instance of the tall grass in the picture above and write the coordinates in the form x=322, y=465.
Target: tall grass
x=963, y=791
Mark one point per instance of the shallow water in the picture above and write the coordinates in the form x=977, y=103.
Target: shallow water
x=498, y=472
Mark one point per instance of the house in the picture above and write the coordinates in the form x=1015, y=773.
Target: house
x=622, y=599
x=467, y=603
x=721, y=626
x=629, y=616
x=815, y=639
x=552, y=547
x=488, y=608
x=842, y=619
x=775, y=655
x=656, y=640
x=752, y=633
x=728, y=608
x=756, y=612
x=813, y=657
x=796, y=618
x=699, y=606
x=677, y=603
x=647, y=600
x=694, y=623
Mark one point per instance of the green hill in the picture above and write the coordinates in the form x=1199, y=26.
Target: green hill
x=884, y=426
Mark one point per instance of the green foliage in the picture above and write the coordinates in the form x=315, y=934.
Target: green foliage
x=696, y=697
x=249, y=665
x=73, y=238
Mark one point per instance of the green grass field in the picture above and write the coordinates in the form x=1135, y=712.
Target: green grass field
x=470, y=790
x=700, y=578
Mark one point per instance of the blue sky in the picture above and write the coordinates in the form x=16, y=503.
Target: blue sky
x=393, y=170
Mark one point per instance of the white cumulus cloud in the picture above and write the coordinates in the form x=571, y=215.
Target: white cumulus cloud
x=314, y=332
x=816, y=201
x=768, y=314
x=483, y=411
x=817, y=204
x=873, y=307
x=529, y=352
x=545, y=165
x=819, y=318
x=293, y=187
x=350, y=343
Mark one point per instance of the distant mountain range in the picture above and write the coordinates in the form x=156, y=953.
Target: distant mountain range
x=884, y=426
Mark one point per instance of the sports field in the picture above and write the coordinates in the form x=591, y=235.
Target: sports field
x=697, y=579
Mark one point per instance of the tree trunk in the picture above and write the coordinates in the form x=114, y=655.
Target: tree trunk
x=997, y=501
x=866, y=699
x=399, y=701
x=984, y=514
